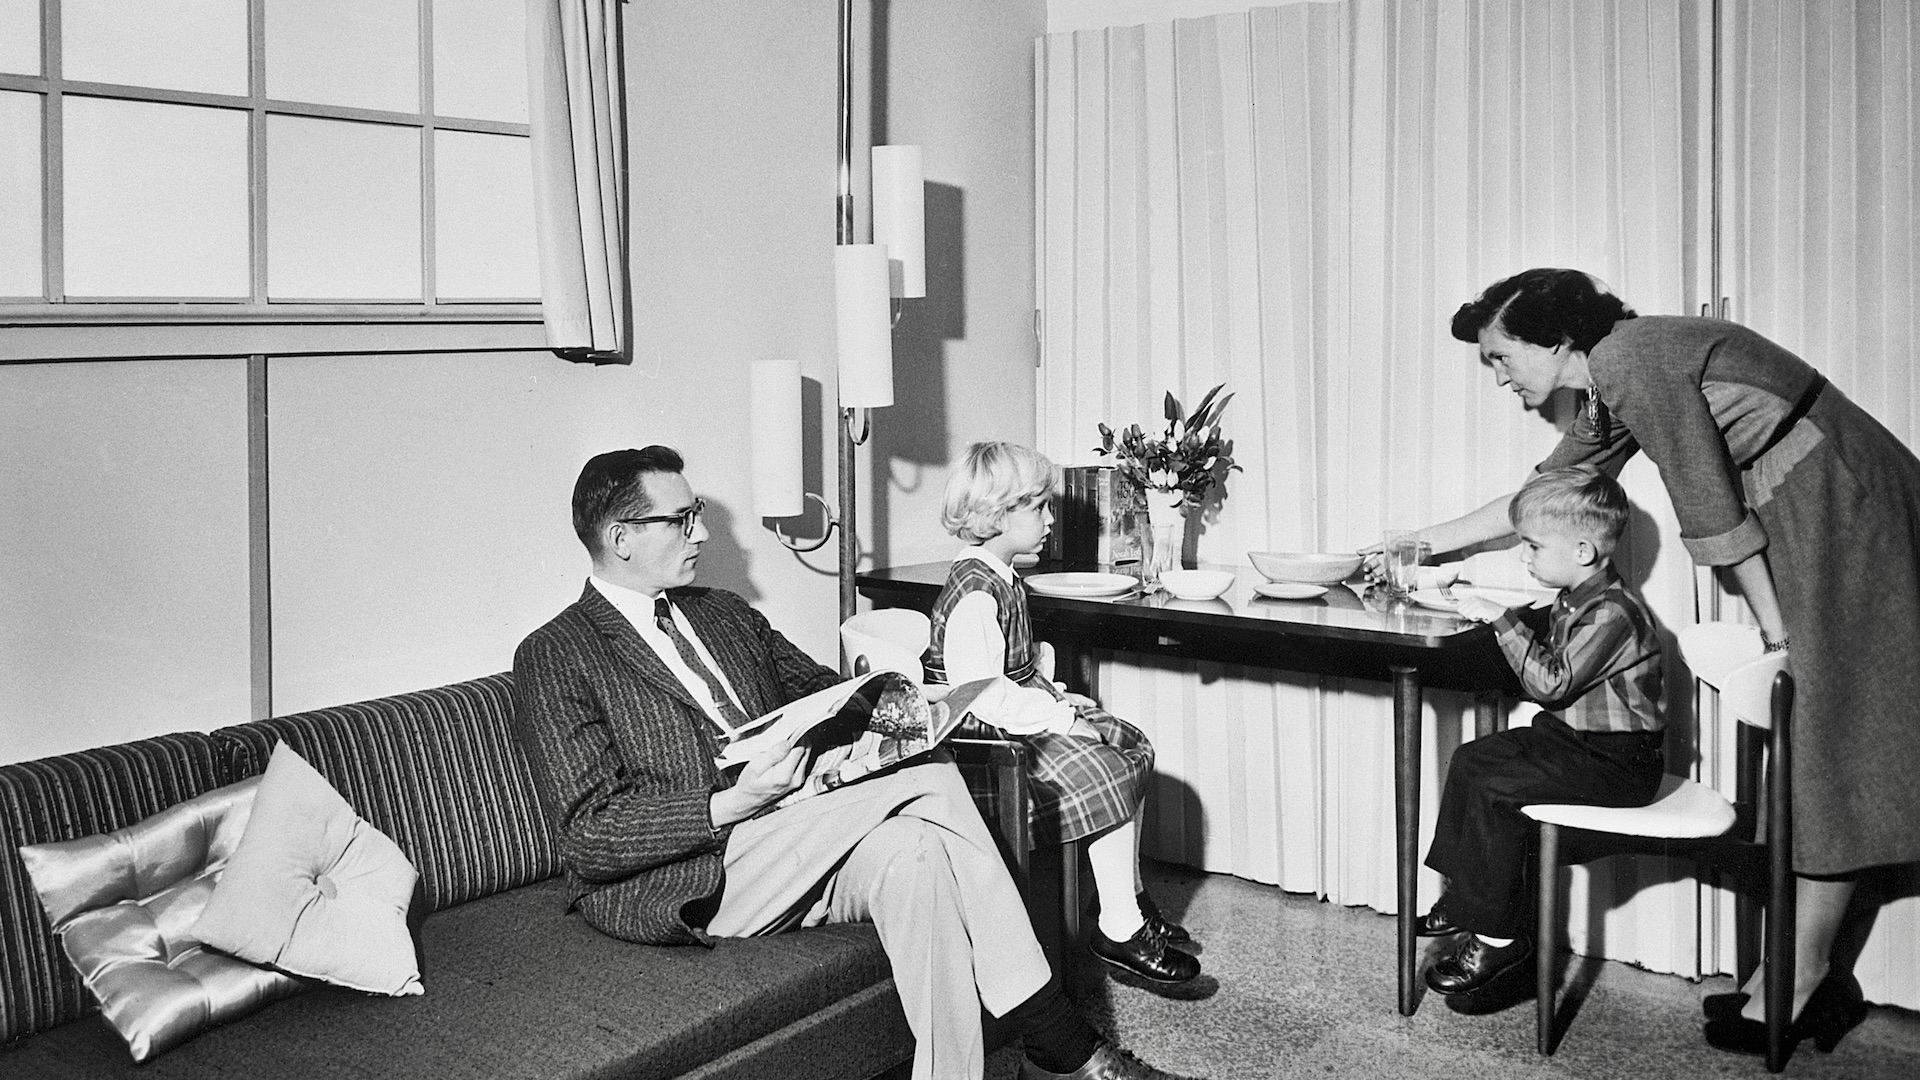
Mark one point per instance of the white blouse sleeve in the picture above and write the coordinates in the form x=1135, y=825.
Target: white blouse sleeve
x=975, y=649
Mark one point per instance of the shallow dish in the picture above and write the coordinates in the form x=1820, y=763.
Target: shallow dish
x=1511, y=598
x=1310, y=568
x=1080, y=583
x=1196, y=584
x=1288, y=590
x=1435, y=600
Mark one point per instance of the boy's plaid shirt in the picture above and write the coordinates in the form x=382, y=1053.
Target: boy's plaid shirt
x=1599, y=664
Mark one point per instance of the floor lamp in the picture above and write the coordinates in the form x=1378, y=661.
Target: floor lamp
x=870, y=280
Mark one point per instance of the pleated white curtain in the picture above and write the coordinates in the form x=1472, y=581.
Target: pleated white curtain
x=1822, y=251
x=1293, y=202
x=576, y=97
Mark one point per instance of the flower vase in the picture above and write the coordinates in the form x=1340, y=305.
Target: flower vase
x=1167, y=520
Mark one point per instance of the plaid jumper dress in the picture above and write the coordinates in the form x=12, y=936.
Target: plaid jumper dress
x=1081, y=786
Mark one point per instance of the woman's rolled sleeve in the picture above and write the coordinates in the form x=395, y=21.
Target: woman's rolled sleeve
x=1729, y=547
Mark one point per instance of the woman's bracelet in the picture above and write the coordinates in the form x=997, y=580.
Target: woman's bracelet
x=1775, y=644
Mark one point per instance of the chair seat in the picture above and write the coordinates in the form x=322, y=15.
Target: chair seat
x=1683, y=809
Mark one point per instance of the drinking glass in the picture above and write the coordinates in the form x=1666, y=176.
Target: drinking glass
x=1400, y=558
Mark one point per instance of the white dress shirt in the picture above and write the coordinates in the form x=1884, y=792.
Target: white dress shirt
x=638, y=606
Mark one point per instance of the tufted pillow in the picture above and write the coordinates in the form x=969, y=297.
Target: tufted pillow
x=315, y=890
x=124, y=904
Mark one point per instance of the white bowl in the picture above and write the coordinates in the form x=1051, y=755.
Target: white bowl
x=1196, y=584
x=1306, y=567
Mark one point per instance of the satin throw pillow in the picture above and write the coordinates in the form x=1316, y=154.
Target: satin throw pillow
x=124, y=905
x=314, y=890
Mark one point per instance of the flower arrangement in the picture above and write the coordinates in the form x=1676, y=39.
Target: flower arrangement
x=1189, y=457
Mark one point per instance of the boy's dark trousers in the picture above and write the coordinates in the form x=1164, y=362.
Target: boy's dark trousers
x=1483, y=844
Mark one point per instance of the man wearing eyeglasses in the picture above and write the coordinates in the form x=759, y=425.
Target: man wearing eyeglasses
x=624, y=699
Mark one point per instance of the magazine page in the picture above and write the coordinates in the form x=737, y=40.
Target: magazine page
x=857, y=728
x=899, y=725
x=784, y=725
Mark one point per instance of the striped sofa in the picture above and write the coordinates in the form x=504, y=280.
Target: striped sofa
x=515, y=988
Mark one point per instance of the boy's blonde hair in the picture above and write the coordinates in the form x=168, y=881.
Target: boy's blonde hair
x=993, y=478
x=1582, y=500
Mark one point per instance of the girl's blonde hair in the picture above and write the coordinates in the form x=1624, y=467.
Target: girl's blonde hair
x=992, y=479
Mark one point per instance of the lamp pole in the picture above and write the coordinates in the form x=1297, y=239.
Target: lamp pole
x=849, y=535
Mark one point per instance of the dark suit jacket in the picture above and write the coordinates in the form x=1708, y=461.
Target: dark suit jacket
x=623, y=757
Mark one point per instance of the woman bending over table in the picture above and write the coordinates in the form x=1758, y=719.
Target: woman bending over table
x=1811, y=506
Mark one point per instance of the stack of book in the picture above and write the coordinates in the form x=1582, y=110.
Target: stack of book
x=1098, y=518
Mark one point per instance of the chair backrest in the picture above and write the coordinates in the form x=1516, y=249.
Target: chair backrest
x=888, y=638
x=1733, y=660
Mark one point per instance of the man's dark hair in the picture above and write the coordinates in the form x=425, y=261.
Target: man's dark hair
x=1545, y=307
x=610, y=487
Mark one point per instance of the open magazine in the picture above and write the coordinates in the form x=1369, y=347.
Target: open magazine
x=855, y=728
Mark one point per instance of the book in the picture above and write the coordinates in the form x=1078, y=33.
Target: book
x=1101, y=516
x=854, y=729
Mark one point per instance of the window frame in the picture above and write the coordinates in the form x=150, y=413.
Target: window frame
x=56, y=327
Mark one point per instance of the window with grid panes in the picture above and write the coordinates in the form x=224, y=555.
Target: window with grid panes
x=264, y=158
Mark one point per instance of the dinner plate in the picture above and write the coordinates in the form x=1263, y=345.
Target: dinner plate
x=1507, y=597
x=1288, y=590
x=1435, y=600
x=1440, y=600
x=1082, y=584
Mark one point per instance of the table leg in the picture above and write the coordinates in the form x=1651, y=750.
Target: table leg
x=1075, y=666
x=1486, y=715
x=1406, y=824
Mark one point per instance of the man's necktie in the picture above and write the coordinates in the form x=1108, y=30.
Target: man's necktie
x=730, y=713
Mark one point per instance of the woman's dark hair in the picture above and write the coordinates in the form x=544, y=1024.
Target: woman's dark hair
x=1544, y=307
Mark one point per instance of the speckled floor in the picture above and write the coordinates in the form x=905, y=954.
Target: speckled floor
x=1297, y=988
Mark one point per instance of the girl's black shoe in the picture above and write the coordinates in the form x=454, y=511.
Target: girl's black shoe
x=1147, y=955
x=1161, y=925
x=1836, y=1007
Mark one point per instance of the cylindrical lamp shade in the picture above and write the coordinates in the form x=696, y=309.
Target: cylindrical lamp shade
x=900, y=216
x=865, y=324
x=774, y=421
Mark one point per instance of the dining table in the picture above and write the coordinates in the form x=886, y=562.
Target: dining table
x=1355, y=629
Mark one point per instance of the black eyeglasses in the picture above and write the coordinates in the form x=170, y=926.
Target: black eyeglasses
x=688, y=519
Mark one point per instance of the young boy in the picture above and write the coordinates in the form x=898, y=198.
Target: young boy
x=1598, y=668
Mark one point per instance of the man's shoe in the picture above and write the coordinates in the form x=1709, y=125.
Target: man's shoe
x=1475, y=964
x=1166, y=928
x=1108, y=1062
x=1436, y=924
x=1147, y=955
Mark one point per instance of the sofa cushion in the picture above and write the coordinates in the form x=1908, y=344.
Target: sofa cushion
x=124, y=904
x=313, y=890
x=64, y=798
x=521, y=991
x=437, y=770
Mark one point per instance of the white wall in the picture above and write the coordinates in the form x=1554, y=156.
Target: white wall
x=418, y=503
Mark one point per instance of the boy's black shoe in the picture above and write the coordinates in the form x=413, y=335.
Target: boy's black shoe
x=1475, y=964
x=1436, y=924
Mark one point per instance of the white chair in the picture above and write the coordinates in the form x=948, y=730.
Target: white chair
x=886, y=638
x=1687, y=815
x=896, y=638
